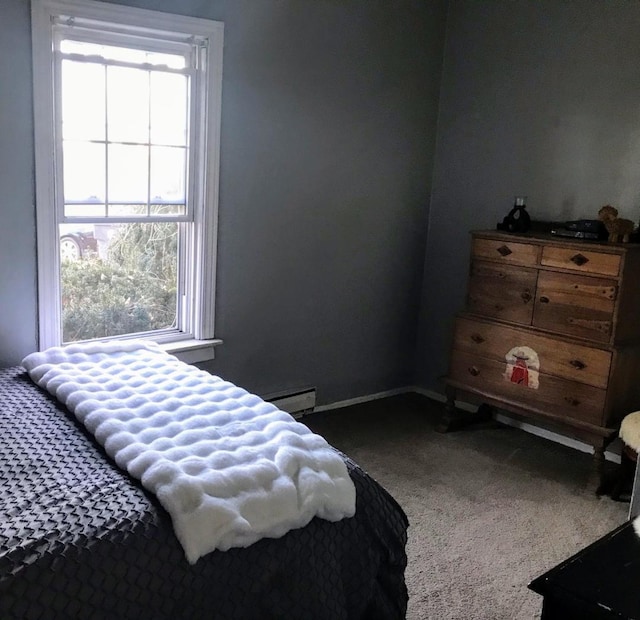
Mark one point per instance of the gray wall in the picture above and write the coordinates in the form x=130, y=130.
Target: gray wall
x=18, y=322
x=328, y=130
x=539, y=97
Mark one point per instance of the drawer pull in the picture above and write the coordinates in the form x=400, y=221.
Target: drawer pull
x=572, y=401
x=526, y=297
x=578, y=365
x=477, y=338
x=544, y=299
x=473, y=371
x=503, y=250
x=579, y=259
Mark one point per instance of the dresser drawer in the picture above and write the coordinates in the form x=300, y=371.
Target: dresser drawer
x=538, y=392
x=581, y=260
x=553, y=357
x=502, y=291
x=515, y=253
x=575, y=305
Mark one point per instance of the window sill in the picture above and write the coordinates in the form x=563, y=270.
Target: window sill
x=192, y=351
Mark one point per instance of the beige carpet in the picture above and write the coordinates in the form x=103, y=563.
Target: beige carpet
x=490, y=507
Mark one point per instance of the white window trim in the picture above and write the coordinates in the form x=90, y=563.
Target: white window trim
x=203, y=264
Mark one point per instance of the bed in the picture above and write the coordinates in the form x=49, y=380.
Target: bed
x=80, y=538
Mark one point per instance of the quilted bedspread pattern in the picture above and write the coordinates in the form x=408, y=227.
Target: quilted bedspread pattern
x=80, y=538
x=227, y=466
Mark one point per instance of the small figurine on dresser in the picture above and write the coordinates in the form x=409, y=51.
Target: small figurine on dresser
x=619, y=229
x=517, y=220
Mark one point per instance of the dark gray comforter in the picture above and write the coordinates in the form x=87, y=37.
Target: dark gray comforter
x=81, y=539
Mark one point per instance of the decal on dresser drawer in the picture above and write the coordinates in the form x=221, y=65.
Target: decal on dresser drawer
x=523, y=367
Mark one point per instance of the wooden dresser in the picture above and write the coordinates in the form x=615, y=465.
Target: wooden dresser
x=551, y=333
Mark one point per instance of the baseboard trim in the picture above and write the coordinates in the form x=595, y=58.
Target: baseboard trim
x=363, y=399
x=296, y=402
x=612, y=454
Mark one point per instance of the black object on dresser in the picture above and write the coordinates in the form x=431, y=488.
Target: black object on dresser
x=600, y=582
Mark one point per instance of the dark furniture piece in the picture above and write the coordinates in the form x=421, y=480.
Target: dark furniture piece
x=550, y=333
x=79, y=538
x=599, y=582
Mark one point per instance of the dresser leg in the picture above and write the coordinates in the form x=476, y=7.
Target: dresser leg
x=484, y=413
x=453, y=419
x=597, y=469
x=448, y=419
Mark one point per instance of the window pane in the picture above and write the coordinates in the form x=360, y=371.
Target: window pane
x=123, y=54
x=98, y=209
x=126, y=285
x=128, y=173
x=82, y=101
x=169, y=100
x=84, y=172
x=128, y=209
x=168, y=166
x=128, y=104
x=161, y=209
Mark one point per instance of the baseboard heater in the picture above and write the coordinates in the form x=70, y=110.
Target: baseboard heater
x=297, y=403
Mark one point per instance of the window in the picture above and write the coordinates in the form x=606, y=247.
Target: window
x=127, y=117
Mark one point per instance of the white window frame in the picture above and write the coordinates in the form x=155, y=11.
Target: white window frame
x=195, y=339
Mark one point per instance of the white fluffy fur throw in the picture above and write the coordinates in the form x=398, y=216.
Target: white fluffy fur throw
x=229, y=467
x=630, y=430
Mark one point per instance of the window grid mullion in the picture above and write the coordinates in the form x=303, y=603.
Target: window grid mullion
x=106, y=141
x=58, y=197
x=57, y=132
x=194, y=112
x=148, y=143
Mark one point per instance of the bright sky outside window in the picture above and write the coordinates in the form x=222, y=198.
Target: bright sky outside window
x=125, y=131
